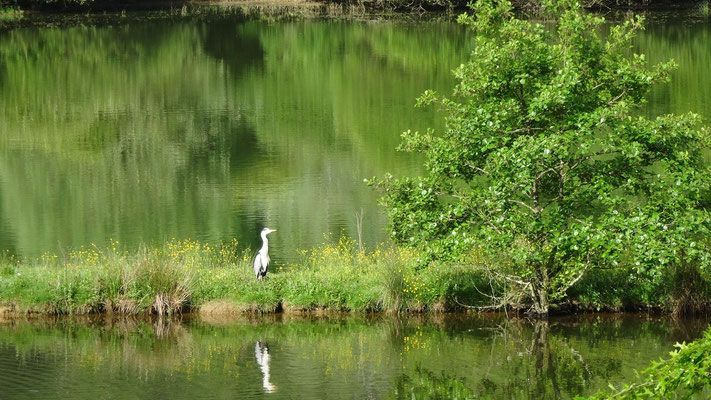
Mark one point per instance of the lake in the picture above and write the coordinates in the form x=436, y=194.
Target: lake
x=329, y=357
x=142, y=128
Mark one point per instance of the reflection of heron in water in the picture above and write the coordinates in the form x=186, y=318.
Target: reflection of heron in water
x=261, y=353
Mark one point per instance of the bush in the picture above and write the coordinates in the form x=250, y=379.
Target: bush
x=685, y=373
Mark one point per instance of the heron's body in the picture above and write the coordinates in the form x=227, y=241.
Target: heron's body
x=261, y=260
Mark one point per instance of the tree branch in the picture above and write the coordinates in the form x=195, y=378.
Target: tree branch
x=511, y=279
x=520, y=130
x=589, y=156
x=488, y=222
x=551, y=169
x=619, y=96
x=523, y=204
x=577, y=278
x=474, y=167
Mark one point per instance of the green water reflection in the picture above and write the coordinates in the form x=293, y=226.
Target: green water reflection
x=208, y=129
x=352, y=357
x=145, y=130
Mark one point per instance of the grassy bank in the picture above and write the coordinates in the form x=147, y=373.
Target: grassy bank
x=185, y=275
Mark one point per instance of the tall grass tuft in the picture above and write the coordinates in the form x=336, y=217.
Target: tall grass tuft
x=394, y=283
x=689, y=290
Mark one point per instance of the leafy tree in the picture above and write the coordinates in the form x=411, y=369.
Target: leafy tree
x=546, y=167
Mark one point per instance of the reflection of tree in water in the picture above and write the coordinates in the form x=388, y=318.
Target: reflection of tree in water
x=425, y=384
x=543, y=368
x=3, y=67
x=224, y=141
x=548, y=366
x=527, y=359
x=229, y=41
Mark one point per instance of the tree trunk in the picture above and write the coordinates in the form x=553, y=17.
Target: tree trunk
x=540, y=293
x=540, y=301
x=543, y=301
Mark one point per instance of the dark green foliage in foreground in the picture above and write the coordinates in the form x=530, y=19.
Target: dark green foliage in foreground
x=546, y=168
x=687, y=371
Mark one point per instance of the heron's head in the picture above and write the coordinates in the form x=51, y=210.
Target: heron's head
x=267, y=231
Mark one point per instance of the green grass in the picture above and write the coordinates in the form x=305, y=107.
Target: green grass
x=186, y=275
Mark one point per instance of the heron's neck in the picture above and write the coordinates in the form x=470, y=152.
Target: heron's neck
x=265, y=243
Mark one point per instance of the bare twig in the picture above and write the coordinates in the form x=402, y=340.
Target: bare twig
x=523, y=204
x=474, y=167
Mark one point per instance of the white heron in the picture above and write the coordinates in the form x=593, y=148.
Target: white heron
x=261, y=260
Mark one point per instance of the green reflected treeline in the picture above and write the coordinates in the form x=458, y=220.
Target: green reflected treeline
x=211, y=128
x=329, y=357
x=686, y=42
x=207, y=129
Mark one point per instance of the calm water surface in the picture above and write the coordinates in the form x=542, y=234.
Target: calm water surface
x=142, y=130
x=329, y=358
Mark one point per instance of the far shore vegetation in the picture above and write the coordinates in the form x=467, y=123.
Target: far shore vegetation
x=387, y=5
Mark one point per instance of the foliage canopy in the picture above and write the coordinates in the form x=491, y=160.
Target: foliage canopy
x=546, y=167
